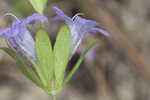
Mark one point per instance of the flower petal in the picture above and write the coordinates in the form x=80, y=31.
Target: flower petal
x=33, y=18
x=76, y=46
x=81, y=20
x=101, y=31
x=26, y=43
x=62, y=16
x=3, y=32
x=55, y=19
x=17, y=25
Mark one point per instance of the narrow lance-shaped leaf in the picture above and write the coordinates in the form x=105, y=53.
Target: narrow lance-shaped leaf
x=90, y=45
x=22, y=67
x=45, y=55
x=62, y=53
x=39, y=5
x=37, y=70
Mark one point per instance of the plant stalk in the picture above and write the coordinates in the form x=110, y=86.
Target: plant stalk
x=53, y=97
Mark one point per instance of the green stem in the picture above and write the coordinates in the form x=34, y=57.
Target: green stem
x=53, y=97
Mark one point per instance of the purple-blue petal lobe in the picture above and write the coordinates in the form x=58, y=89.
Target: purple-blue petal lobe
x=101, y=31
x=62, y=16
x=3, y=32
x=33, y=18
x=55, y=19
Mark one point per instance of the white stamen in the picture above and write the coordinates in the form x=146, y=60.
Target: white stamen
x=78, y=14
x=10, y=14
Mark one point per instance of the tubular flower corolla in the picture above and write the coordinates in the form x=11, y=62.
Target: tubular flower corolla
x=78, y=27
x=19, y=36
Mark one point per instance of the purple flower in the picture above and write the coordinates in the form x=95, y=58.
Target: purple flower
x=19, y=36
x=78, y=27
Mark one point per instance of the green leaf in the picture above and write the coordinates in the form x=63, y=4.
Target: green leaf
x=37, y=70
x=45, y=55
x=62, y=54
x=22, y=67
x=39, y=5
x=90, y=45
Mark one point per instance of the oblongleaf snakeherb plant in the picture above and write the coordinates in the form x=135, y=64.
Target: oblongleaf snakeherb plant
x=37, y=60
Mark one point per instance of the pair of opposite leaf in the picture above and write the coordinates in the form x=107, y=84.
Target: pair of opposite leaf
x=49, y=77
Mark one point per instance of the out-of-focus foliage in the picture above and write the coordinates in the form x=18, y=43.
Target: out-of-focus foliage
x=23, y=7
x=39, y=5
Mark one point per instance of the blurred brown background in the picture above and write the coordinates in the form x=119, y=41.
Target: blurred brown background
x=118, y=68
